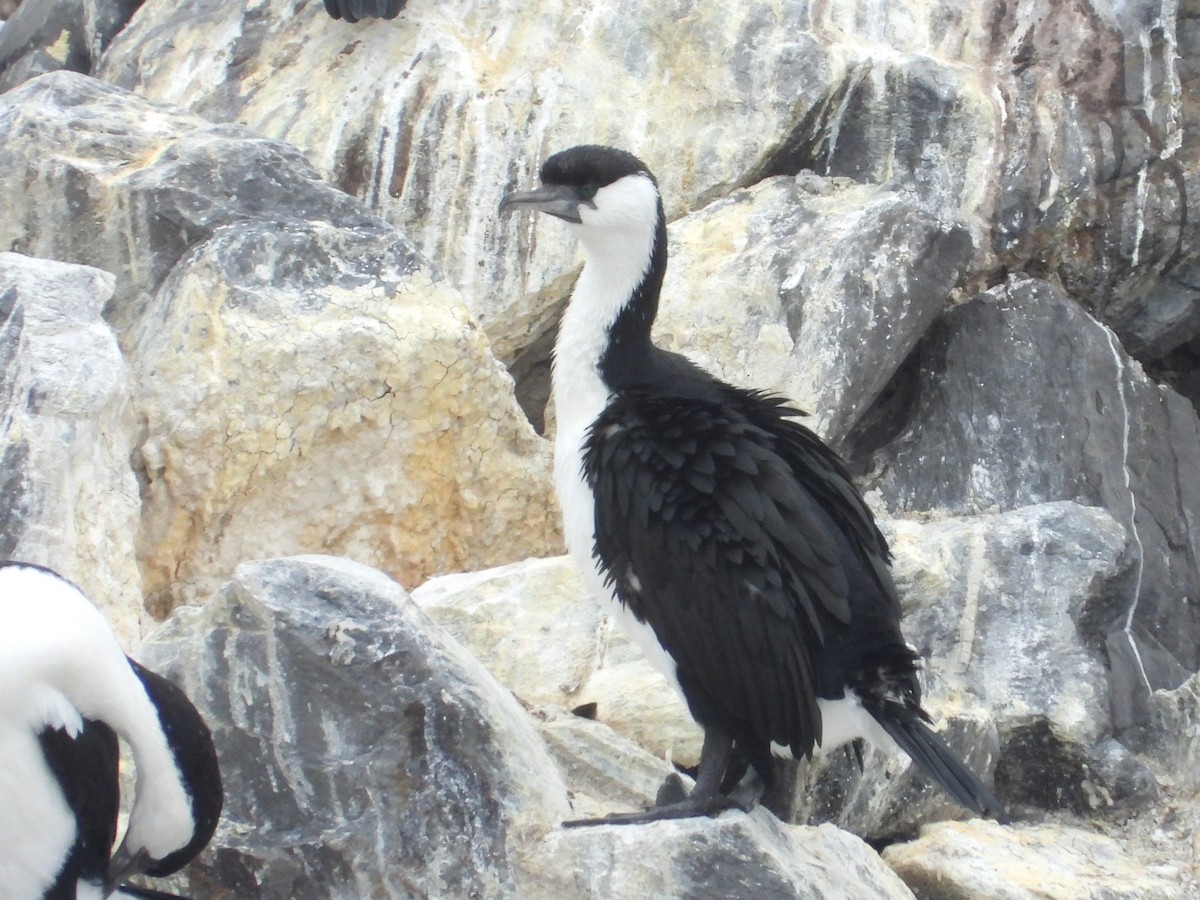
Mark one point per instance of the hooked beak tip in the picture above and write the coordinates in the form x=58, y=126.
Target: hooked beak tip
x=555, y=200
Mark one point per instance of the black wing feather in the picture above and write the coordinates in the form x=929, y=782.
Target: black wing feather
x=721, y=541
x=85, y=766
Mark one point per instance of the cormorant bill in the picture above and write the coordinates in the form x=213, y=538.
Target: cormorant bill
x=729, y=539
x=353, y=10
x=67, y=691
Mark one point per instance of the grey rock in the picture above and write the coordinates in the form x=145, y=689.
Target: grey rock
x=985, y=861
x=364, y=753
x=93, y=175
x=1022, y=398
x=68, y=499
x=1059, y=134
x=49, y=35
x=452, y=106
x=736, y=855
x=999, y=606
x=830, y=288
x=302, y=377
x=1170, y=737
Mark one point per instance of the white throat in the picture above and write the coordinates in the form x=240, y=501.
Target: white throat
x=618, y=242
x=617, y=239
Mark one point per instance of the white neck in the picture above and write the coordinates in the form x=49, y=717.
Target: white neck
x=618, y=240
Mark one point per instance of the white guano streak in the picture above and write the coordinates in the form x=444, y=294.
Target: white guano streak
x=1137, y=540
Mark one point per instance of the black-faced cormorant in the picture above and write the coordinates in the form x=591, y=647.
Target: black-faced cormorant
x=728, y=537
x=353, y=10
x=67, y=692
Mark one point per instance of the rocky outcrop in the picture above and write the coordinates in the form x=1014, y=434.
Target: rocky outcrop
x=302, y=378
x=1002, y=608
x=365, y=753
x=986, y=414
x=960, y=235
x=68, y=499
x=51, y=35
x=1060, y=137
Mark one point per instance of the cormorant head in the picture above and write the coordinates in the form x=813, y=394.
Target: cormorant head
x=599, y=190
x=163, y=837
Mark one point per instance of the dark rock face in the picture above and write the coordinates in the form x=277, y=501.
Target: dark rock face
x=49, y=35
x=1086, y=130
x=1022, y=398
x=76, y=138
x=364, y=754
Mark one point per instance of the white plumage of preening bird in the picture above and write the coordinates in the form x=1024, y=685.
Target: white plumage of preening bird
x=727, y=537
x=67, y=692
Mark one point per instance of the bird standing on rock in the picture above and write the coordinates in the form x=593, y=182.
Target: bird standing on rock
x=67, y=691
x=729, y=539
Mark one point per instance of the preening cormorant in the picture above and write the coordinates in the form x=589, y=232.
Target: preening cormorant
x=67, y=692
x=728, y=537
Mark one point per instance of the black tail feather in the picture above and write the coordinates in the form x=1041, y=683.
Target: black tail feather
x=936, y=760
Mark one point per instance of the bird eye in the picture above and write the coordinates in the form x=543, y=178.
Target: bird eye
x=588, y=191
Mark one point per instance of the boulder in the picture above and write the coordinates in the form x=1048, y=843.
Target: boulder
x=49, y=35
x=1001, y=609
x=68, y=499
x=984, y=861
x=1057, y=134
x=303, y=379
x=366, y=754
x=815, y=288
x=363, y=752
x=1019, y=397
x=537, y=629
x=736, y=855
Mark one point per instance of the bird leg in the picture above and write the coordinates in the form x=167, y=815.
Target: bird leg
x=705, y=799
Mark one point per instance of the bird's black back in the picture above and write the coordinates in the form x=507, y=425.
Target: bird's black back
x=736, y=534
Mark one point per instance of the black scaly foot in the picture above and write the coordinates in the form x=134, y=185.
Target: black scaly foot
x=705, y=799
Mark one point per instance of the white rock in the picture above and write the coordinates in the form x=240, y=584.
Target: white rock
x=66, y=435
x=980, y=860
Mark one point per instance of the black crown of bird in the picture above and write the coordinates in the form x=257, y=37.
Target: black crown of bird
x=727, y=537
x=67, y=692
